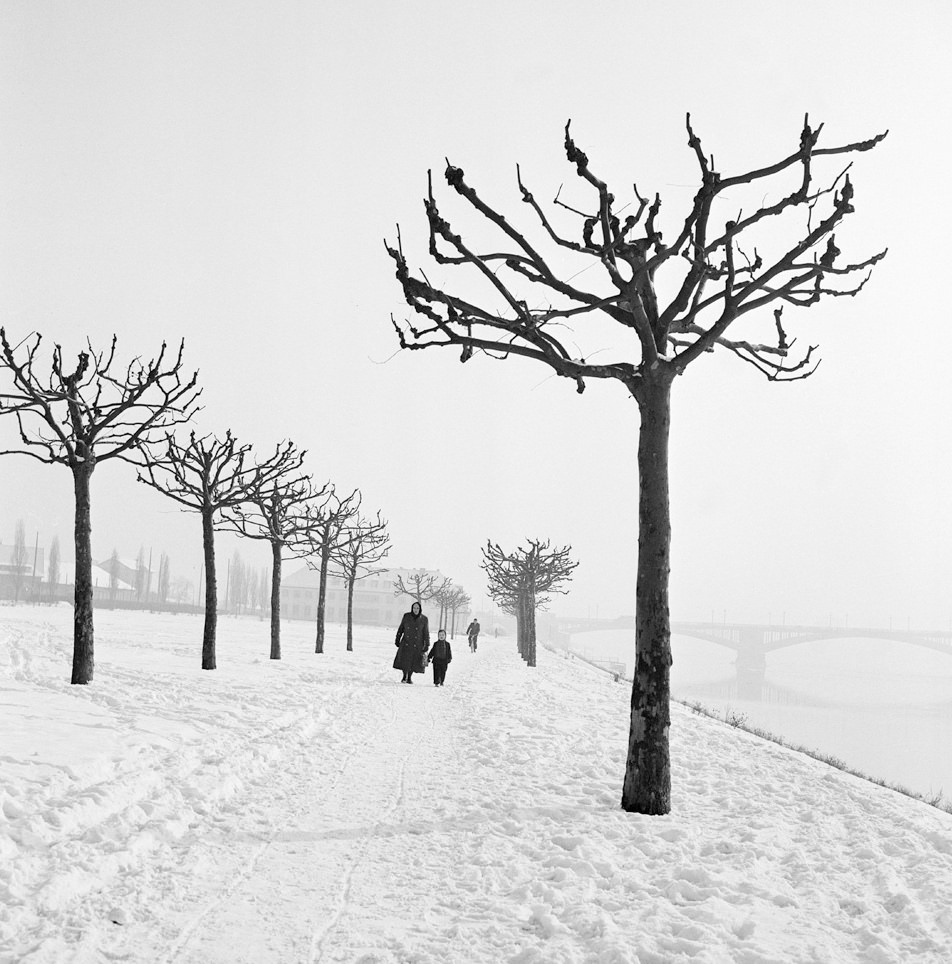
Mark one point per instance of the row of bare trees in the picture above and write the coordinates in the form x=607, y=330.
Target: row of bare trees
x=25, y=573
x=521, y=581
x=99, y=411
x=422, y=586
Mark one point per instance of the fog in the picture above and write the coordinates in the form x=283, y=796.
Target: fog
x=226, y=174
x=883, y=707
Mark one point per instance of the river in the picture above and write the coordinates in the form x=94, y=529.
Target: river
x=882, y=707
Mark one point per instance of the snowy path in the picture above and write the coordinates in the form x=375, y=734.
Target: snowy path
x=315, y=810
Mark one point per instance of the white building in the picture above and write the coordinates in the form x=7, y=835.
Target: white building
x=375, y=603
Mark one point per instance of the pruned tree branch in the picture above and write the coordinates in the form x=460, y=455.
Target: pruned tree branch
x=707, y=249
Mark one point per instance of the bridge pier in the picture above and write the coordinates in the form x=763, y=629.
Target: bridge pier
x=751, y=665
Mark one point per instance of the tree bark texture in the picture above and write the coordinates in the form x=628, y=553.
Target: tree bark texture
x=350, y=615
x=322, y=594
x=647, y=784
x=83, y=657
x=276, y=600
x=531, y=621
x=521, y=626
x=211, y=590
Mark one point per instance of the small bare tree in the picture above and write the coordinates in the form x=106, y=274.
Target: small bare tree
x=162, y=584
x=19, y=560
x=84, y=417
x=141, y=576
x=181, y=589
x=207, y=475
x=670, y=303
x=275, y=510
x=444, y=597
x=520, y=582
x=53, y=568
x=113, y=575
x=420, y=585
x=327, y=521
x=459, y=602
x=365, y=544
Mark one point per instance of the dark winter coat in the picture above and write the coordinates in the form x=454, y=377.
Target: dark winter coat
x=442, y=650
x=413, y=639
x=472, y=629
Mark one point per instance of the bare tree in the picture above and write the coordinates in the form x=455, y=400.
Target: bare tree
x=235, y=586
x=140, y=577
x=53, y=567
x=520, y=582
x=162, y=583
x=180, y=589
x=276, y=511
x=325, y=534
x=263, y=589
x=459, y=601
x=19, y=559
x=82, y=418
x=420, y=585
x=716, y=269
x=207, y=475
x=113, y=574
x=254, y=591
x=443, y=596
x=365, y=544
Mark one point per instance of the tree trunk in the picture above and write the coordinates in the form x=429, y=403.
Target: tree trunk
x=350, y=615
x=521, y=625
x=531, y=628
x=647, y=786
x=322, y=593
x=83, y=661
x=211, y=590
x=276, y=600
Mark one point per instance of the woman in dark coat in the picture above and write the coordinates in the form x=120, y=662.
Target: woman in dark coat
x=413, y=640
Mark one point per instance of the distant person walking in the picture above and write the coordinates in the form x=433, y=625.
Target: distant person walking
x=413, y=640
x=472, y=634
x=441, y=655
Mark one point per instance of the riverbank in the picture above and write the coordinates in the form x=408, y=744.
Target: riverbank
x=883, y=708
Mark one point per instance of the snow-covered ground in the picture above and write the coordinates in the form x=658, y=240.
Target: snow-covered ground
x=314, y=809
x=884, y=707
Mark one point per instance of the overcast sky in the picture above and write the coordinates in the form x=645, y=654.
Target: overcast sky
x=227, y=172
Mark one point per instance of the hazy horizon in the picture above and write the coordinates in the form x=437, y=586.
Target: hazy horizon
x=226, y=174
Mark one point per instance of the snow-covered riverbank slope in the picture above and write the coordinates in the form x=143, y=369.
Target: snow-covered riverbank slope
x=314, y=809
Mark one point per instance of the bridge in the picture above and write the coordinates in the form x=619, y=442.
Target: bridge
x=753, y=641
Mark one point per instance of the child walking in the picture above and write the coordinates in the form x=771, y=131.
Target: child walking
x=440, y=655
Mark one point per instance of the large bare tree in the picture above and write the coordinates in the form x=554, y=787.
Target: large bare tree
x=275, y=510
x=80, y=418
x=208, y=475
x=673, y=301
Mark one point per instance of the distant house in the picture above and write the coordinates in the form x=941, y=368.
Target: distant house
x=28, y=578
x=374, y=601
x=127, y=582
